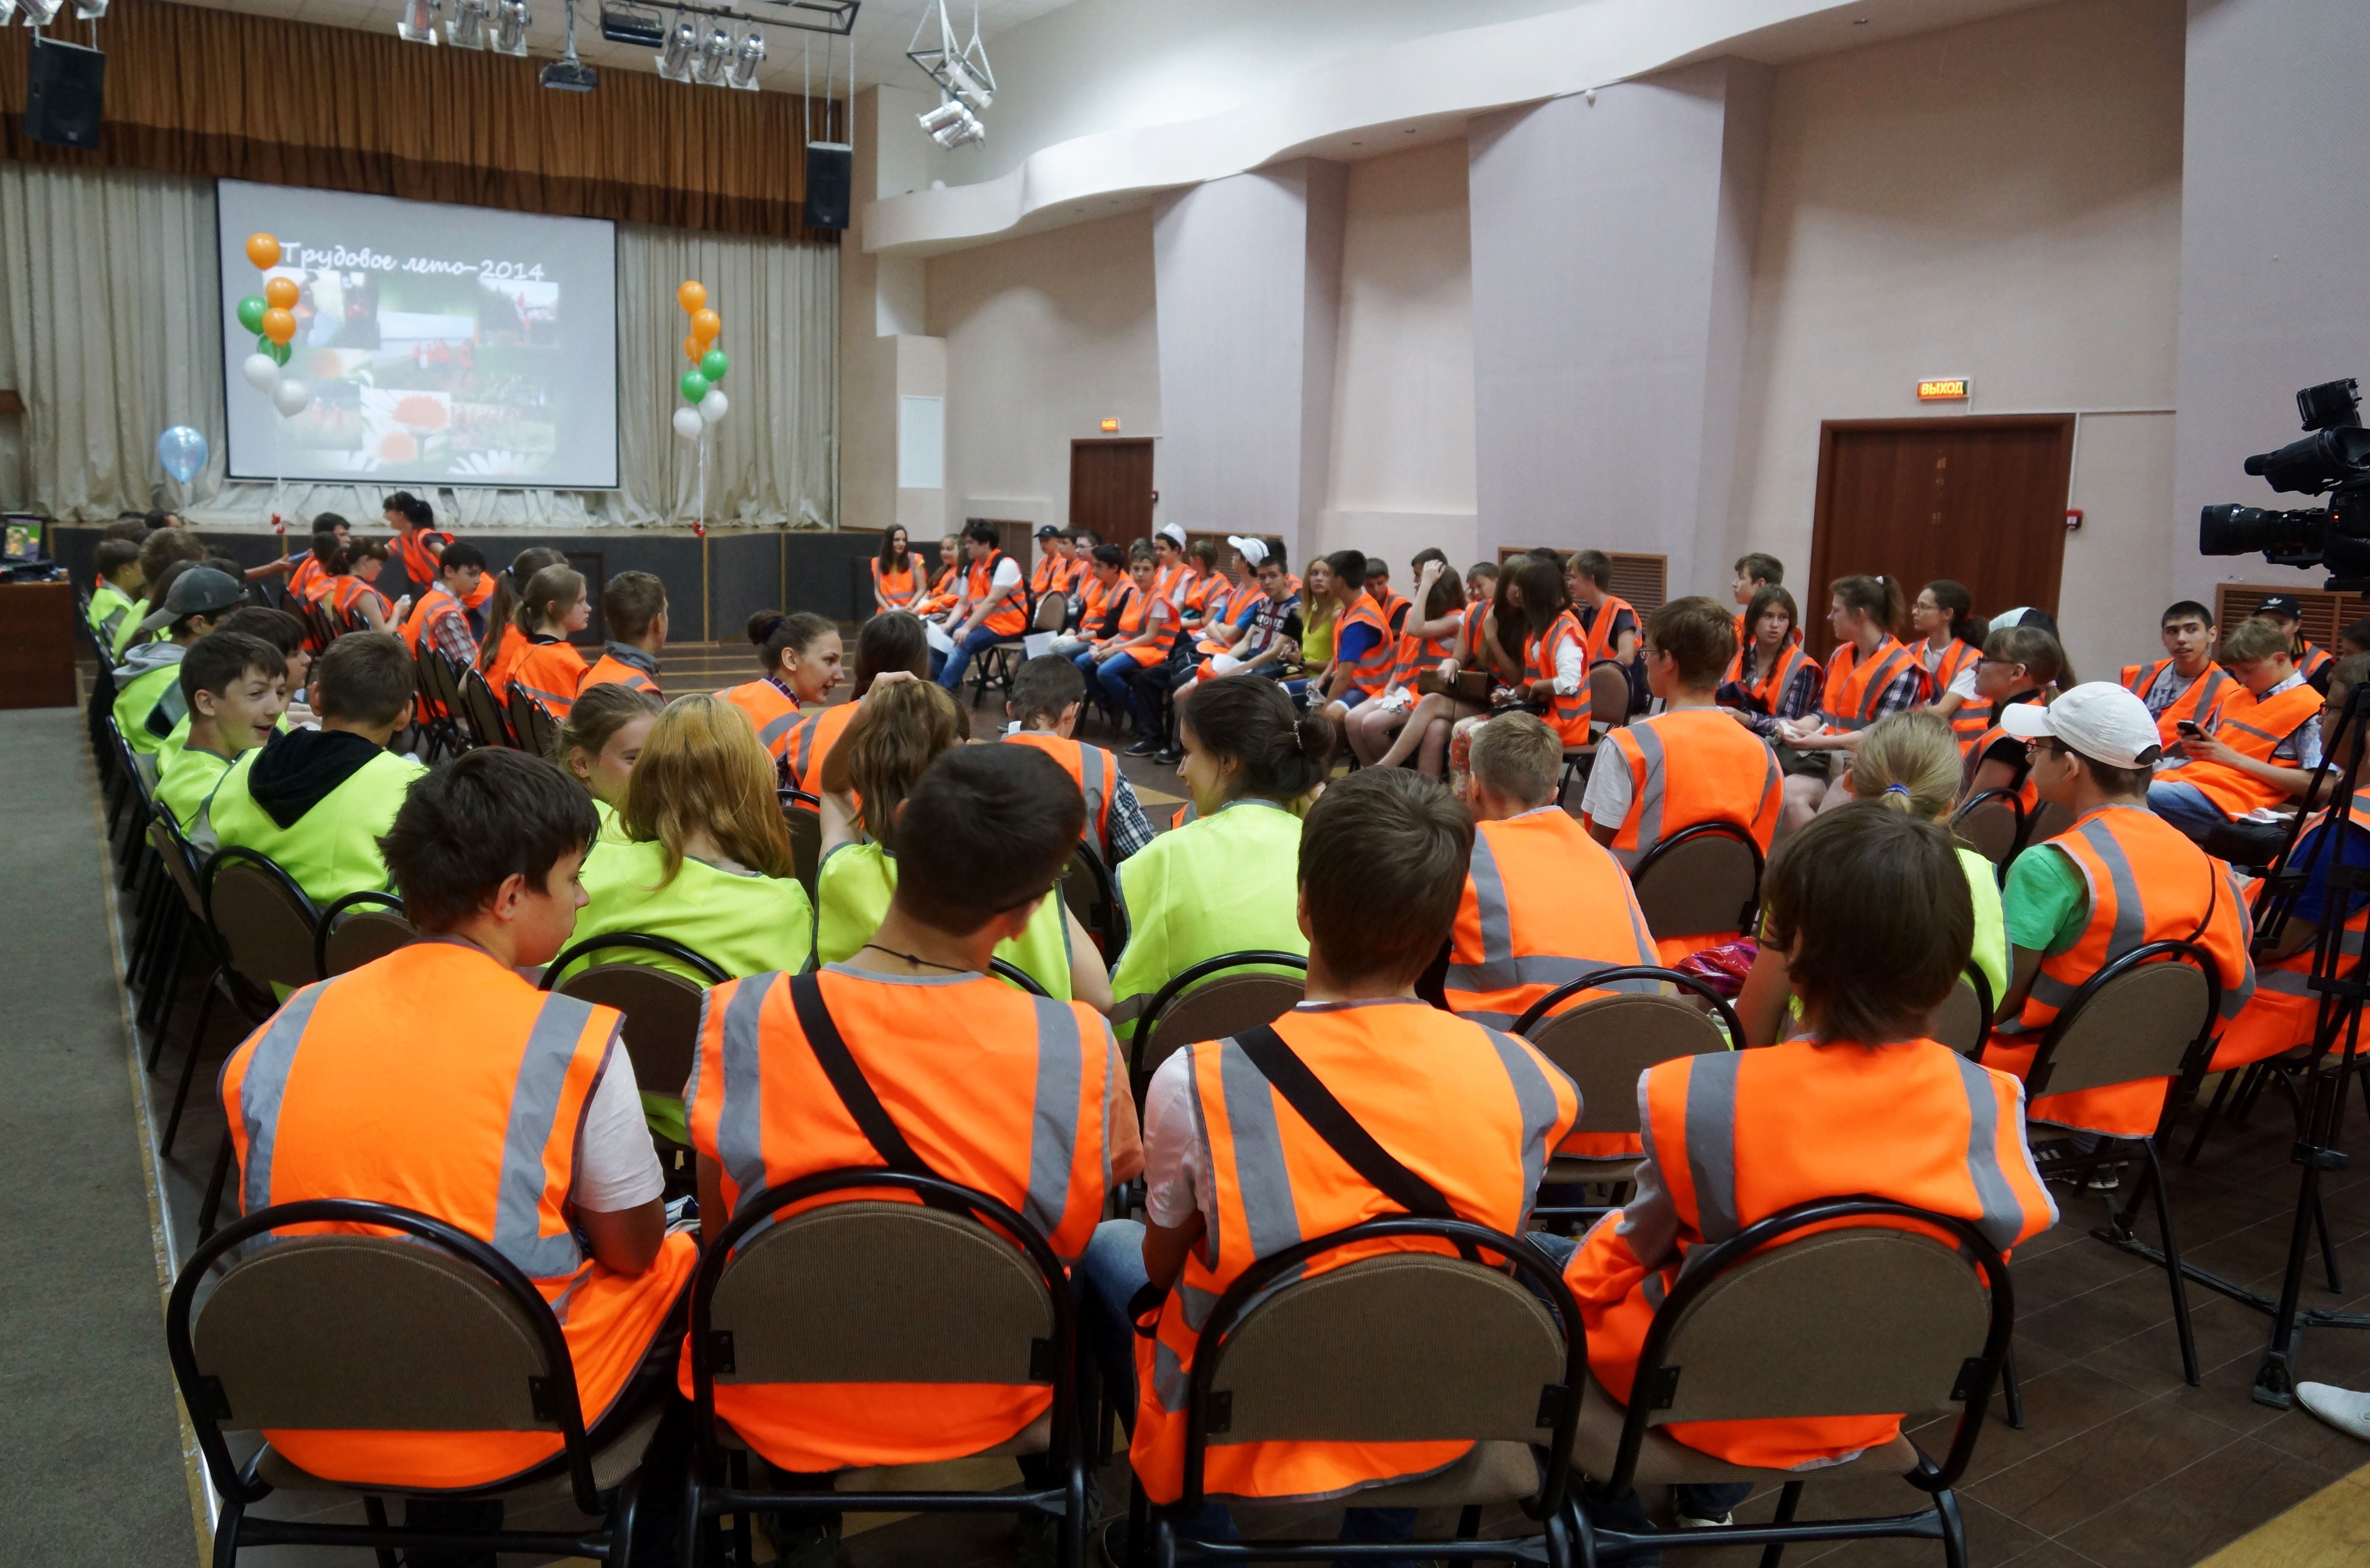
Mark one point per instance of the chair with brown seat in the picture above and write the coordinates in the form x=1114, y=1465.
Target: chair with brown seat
x=440, y=700
x=263, y=924
x=425, y=1329
x=1604, y=1045
x=1608, y=707
x=2046, y=823
x=1992, y=824
x=180, y=862
x=2148, y=1014
x=359, y=929
x=1407, y=1346
x=482, y=713
x=1748, y=1333
x=1205, y=1002
x=1702, y=881
x=803, y=813
x=1089, y=892
x=532, y=723
x=661, y=1023
x=858, y=1290
x=1966, y=1016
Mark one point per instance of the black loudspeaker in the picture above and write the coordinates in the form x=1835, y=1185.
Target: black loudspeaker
x=61, y=93
x=831, y=169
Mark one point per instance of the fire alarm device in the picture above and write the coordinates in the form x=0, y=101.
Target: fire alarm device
x=2073, y=518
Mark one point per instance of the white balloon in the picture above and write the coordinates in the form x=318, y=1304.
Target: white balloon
x=713, y=407
x=290, y=397
x=261, y=371
x=688, y=424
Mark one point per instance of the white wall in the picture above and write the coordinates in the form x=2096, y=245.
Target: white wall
x=1045, y=336
x=2001, y=200
x=1402, y=458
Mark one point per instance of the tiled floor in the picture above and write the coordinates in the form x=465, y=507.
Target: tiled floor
x=2120, y=1464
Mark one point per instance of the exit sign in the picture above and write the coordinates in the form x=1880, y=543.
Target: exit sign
x=1949, y=389
x=1110, y=426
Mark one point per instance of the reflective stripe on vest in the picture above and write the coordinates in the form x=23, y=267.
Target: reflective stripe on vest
x=1570, y=714
x=771, y=713
x=1600, y=642
x=1373, y=666
x=1501, y=967
x=2253, y=729
x=1856, y=688
x=1768, y=687
x=1091, y=768
x=1714, y=788
x=2100, y=847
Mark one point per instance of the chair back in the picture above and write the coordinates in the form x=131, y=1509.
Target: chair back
x=264, y=920
x=1089, y=893
x=359, y=929
x=425, y=1329
x=1603, y=1045
x=532, y=723
x=803, y=813
x=1965, y=1015
x=2048, y=822
x=487, y=725
x=2148, y=1014
x=1702, y=881
x=1608, y=695
x=1992, y=824
x=181, y=860
x=1053, y=609
x=1407, y=1347
x=1206, y=1003
x=662, y=1026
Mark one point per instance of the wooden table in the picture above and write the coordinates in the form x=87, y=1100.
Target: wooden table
x=37, y=645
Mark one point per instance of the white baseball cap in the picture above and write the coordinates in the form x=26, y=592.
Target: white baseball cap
x=1173, y=532
x=2099, y=719
x=1251, y=547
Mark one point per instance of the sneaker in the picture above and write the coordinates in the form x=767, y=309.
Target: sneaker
x=2105, y=1179
x=1168, y=756
x=1690, y=1522
x=1144, y=748
x=2343, y=1408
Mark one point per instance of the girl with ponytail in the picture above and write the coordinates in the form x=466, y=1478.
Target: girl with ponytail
x=799, y=658
x=1871, y=674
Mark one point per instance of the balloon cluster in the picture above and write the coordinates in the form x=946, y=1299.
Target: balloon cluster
x=705, y=402
x=271, y=315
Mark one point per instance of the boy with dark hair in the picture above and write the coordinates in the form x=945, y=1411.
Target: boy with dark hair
x=1364, y=649
x=1021, y=1097
x=1048, y=692
x=331, y=533
x=1691, y=763
x=286, y=633
x=1754, y=571
x=494, y=1079
x=2261, y=749
x=148, y=694
x=992, y=604
x=1390, y=600
x=235, y=688
x=116, y=564
x=316, y=801
x=442, y=615
x=2285, y=610
x=1542, y=902
x=1464, y=1109
x=634, y=606
x=2186, y=684
x=1607, y=623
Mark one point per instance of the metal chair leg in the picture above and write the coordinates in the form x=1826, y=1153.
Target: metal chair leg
x=1788, y=1498
x=215, y=1185
x=374, y=1514
x=2213, y=1113
x=2011, y=1391
x=2173, y=1267
x=189, y=1076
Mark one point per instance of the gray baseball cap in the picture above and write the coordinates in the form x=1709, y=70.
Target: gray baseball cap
x=200, y=591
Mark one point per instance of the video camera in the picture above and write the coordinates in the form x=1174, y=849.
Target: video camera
x=2333, y=459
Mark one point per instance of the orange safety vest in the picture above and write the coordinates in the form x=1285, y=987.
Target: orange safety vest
x=1853, y=688
x=2199, y=702
x=1008, y=1099
x=1392, y=606
x=2312, y=658
x=979, y=582
x=1739, y=1136
x=301, y=580
x=810, y=740
x=1373, y=669
x=475, y=1121
x=1957, y=655
x=439, y=600
x=897, y=588
x=2148, y=883
x=609, y=668
x=419, y=563
x=2253, y=727
x=1730, y=776
x=942, y=593
x=1092, y=595
x=552, y=673
x=1237, y=611
x=1768, y=688
x=1599, y=641
x=1470, y=1111
x=1568, y=714
x=1094, y=771
x=2284, y=1013
x=1412, y=655
x=2028, y=794
x=773, y=712
x=1543, y=903
x=1139, y=613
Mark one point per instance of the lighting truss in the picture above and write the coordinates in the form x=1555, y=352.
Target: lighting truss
x=965, y=81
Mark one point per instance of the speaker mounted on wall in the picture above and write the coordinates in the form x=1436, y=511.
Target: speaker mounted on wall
x=62, y=84
x=831, y=170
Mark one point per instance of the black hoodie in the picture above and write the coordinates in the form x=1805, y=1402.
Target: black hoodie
x=299, y=769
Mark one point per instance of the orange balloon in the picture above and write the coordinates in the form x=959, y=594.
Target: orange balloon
x=692, y=351
x=690, y=296
x=280, y=326
x=706, y=324
x=263, y=250
x=280, y=293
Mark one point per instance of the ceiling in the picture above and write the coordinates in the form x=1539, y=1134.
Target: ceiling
x=883, y=29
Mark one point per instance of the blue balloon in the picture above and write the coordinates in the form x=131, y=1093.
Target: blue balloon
x=182, y=451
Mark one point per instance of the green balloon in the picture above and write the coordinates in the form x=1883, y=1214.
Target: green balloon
x=714, y=364
x=278, y=352
x=693, y=386
x=250, y=313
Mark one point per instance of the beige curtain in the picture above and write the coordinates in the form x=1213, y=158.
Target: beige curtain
x=110, y=327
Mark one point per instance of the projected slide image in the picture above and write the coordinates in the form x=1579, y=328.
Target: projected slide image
x=435, y=342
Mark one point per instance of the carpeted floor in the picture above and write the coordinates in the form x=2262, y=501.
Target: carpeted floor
x=87, y=1419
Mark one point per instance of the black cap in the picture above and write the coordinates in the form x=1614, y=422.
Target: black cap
x=2281, y=605
x=1048, y=531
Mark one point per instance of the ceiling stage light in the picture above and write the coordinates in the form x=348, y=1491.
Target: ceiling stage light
x=510, y=27
x=745, y=60
x=417, y=23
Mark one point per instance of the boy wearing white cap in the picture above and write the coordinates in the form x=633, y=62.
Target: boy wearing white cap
x=2120, y=877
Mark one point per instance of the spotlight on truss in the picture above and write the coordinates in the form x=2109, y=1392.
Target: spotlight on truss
x=745, y=60
x=417, y=23
x=510, y=27
x=966, y=83
x=468, y=30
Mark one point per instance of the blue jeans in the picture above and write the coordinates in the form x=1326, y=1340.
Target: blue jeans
x=2185, y=806
x=950, y=666
x=1112, y=1272
x=1121, y=678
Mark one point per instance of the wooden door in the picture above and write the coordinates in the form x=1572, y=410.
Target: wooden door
x=1110, y=488
x=1979, y=499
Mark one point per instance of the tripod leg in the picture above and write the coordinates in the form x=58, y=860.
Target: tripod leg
x=2012, y=1390
x=2328, y=1253
x=2275, y=1376
x=2172, y=1269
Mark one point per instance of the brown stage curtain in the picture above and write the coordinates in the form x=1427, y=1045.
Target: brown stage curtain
x=204, y=92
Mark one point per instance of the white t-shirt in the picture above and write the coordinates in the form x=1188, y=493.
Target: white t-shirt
x=1007, y=574
x=1606, y=803
x=1963, y=684
x=1176, y=1176
x=616, y=1163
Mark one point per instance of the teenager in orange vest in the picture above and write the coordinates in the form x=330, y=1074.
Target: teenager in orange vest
x=1554, y=648
x=1950, y=636
x=502, y=642
x=2020, y=664
x=2186, y=684
x=634, y=607
x=1608, y=623
x=800, y=656
x=2259, y=751
x=442, y=617
x=1047, y=694
x=992, y=607
x=420, y=545
x=1871, y=911
x=946, y=587
x=1690, y=763
x=1543, y=902
x=1423, y=642
x=1871, y=674
x=328, y=529
x=1754, y=571
x=1771, y=680
x=896, y=573
x=510, y=1112
x=2069, y=902
x=1023, y=1098
x=541, y=660
x=1469, y=1113
x=1389, y=602
x=1426, y=734
x=888, y=648
x=2285, y=610
x=1363, y=647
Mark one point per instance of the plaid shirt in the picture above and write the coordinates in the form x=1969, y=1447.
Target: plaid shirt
x=446, y=628
x=1127, y=827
